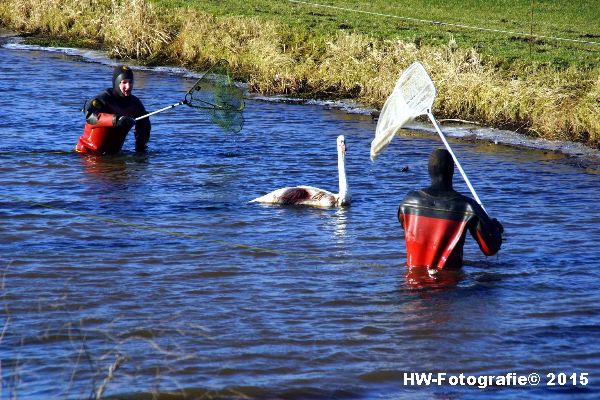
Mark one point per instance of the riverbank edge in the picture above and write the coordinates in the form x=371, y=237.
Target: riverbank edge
x=554, y=105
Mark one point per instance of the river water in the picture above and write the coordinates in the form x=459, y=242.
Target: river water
x=157, y=264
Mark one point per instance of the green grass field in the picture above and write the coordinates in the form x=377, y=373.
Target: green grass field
x=470, y=23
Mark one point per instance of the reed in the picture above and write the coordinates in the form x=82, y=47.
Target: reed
x=537, y=99
x=127, y=29
x=133, y=29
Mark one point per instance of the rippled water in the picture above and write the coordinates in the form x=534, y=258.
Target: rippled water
x=158, y=263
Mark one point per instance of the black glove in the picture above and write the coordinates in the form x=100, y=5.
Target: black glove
x=498, y=225
x=125, y=122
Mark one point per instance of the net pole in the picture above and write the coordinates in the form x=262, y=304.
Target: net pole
x=462, y=172
x=161, y=110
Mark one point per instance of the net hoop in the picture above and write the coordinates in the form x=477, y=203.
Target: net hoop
x=216, y=89
x=412, y=96
x=217, y=92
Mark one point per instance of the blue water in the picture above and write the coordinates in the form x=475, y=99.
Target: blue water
x=159, y=264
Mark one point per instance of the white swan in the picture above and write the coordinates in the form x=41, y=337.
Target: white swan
x=312, y=196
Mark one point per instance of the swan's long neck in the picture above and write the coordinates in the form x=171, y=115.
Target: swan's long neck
x=343, y=182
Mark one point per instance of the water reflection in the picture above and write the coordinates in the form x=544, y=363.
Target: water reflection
x=433, y=307
x=112, y=168
x=339, y=221
x=438, y=280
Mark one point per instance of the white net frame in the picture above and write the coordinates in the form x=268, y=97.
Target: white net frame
x=412, y=96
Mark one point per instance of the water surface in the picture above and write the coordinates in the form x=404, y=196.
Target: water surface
x=158, y=263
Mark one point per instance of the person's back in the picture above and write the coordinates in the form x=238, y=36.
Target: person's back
x=435, y=220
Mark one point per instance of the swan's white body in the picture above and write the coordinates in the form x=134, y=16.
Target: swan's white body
x=313, y=196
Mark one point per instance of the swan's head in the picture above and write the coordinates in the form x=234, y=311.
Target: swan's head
x=341, y=144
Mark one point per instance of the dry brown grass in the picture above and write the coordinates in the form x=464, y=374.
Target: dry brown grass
x=133, y=29
x=129, y=29
x=555, y=105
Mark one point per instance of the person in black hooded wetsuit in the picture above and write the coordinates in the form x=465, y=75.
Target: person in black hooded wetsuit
x=436, y=218
x=111, y=114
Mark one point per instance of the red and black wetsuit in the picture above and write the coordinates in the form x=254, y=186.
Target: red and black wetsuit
x=435, y=221
x=101, y=134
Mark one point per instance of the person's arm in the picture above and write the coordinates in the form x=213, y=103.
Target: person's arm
x=402, y=210
x=399, y=215
x=142, y=134
x=95, y=114
x=486, y=231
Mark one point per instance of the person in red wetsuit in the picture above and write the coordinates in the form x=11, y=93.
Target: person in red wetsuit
x=111, y=114
x=435, y=220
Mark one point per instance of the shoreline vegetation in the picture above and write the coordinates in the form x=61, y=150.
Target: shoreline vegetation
x=326, y=54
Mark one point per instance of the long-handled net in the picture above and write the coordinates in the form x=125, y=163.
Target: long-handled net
x=217, y=93
x=413, y=95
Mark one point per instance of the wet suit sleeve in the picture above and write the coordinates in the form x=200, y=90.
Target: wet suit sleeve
x=487, y=232
x=142, y=127
x=142, y=133
x=94, y=114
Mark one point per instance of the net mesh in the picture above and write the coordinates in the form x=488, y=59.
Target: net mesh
x=231, y=121
x=216, y=92
x=412, y=96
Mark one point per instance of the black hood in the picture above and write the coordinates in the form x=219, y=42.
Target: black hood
x=120, y=73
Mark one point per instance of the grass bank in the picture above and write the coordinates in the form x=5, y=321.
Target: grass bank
x=530, y=67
